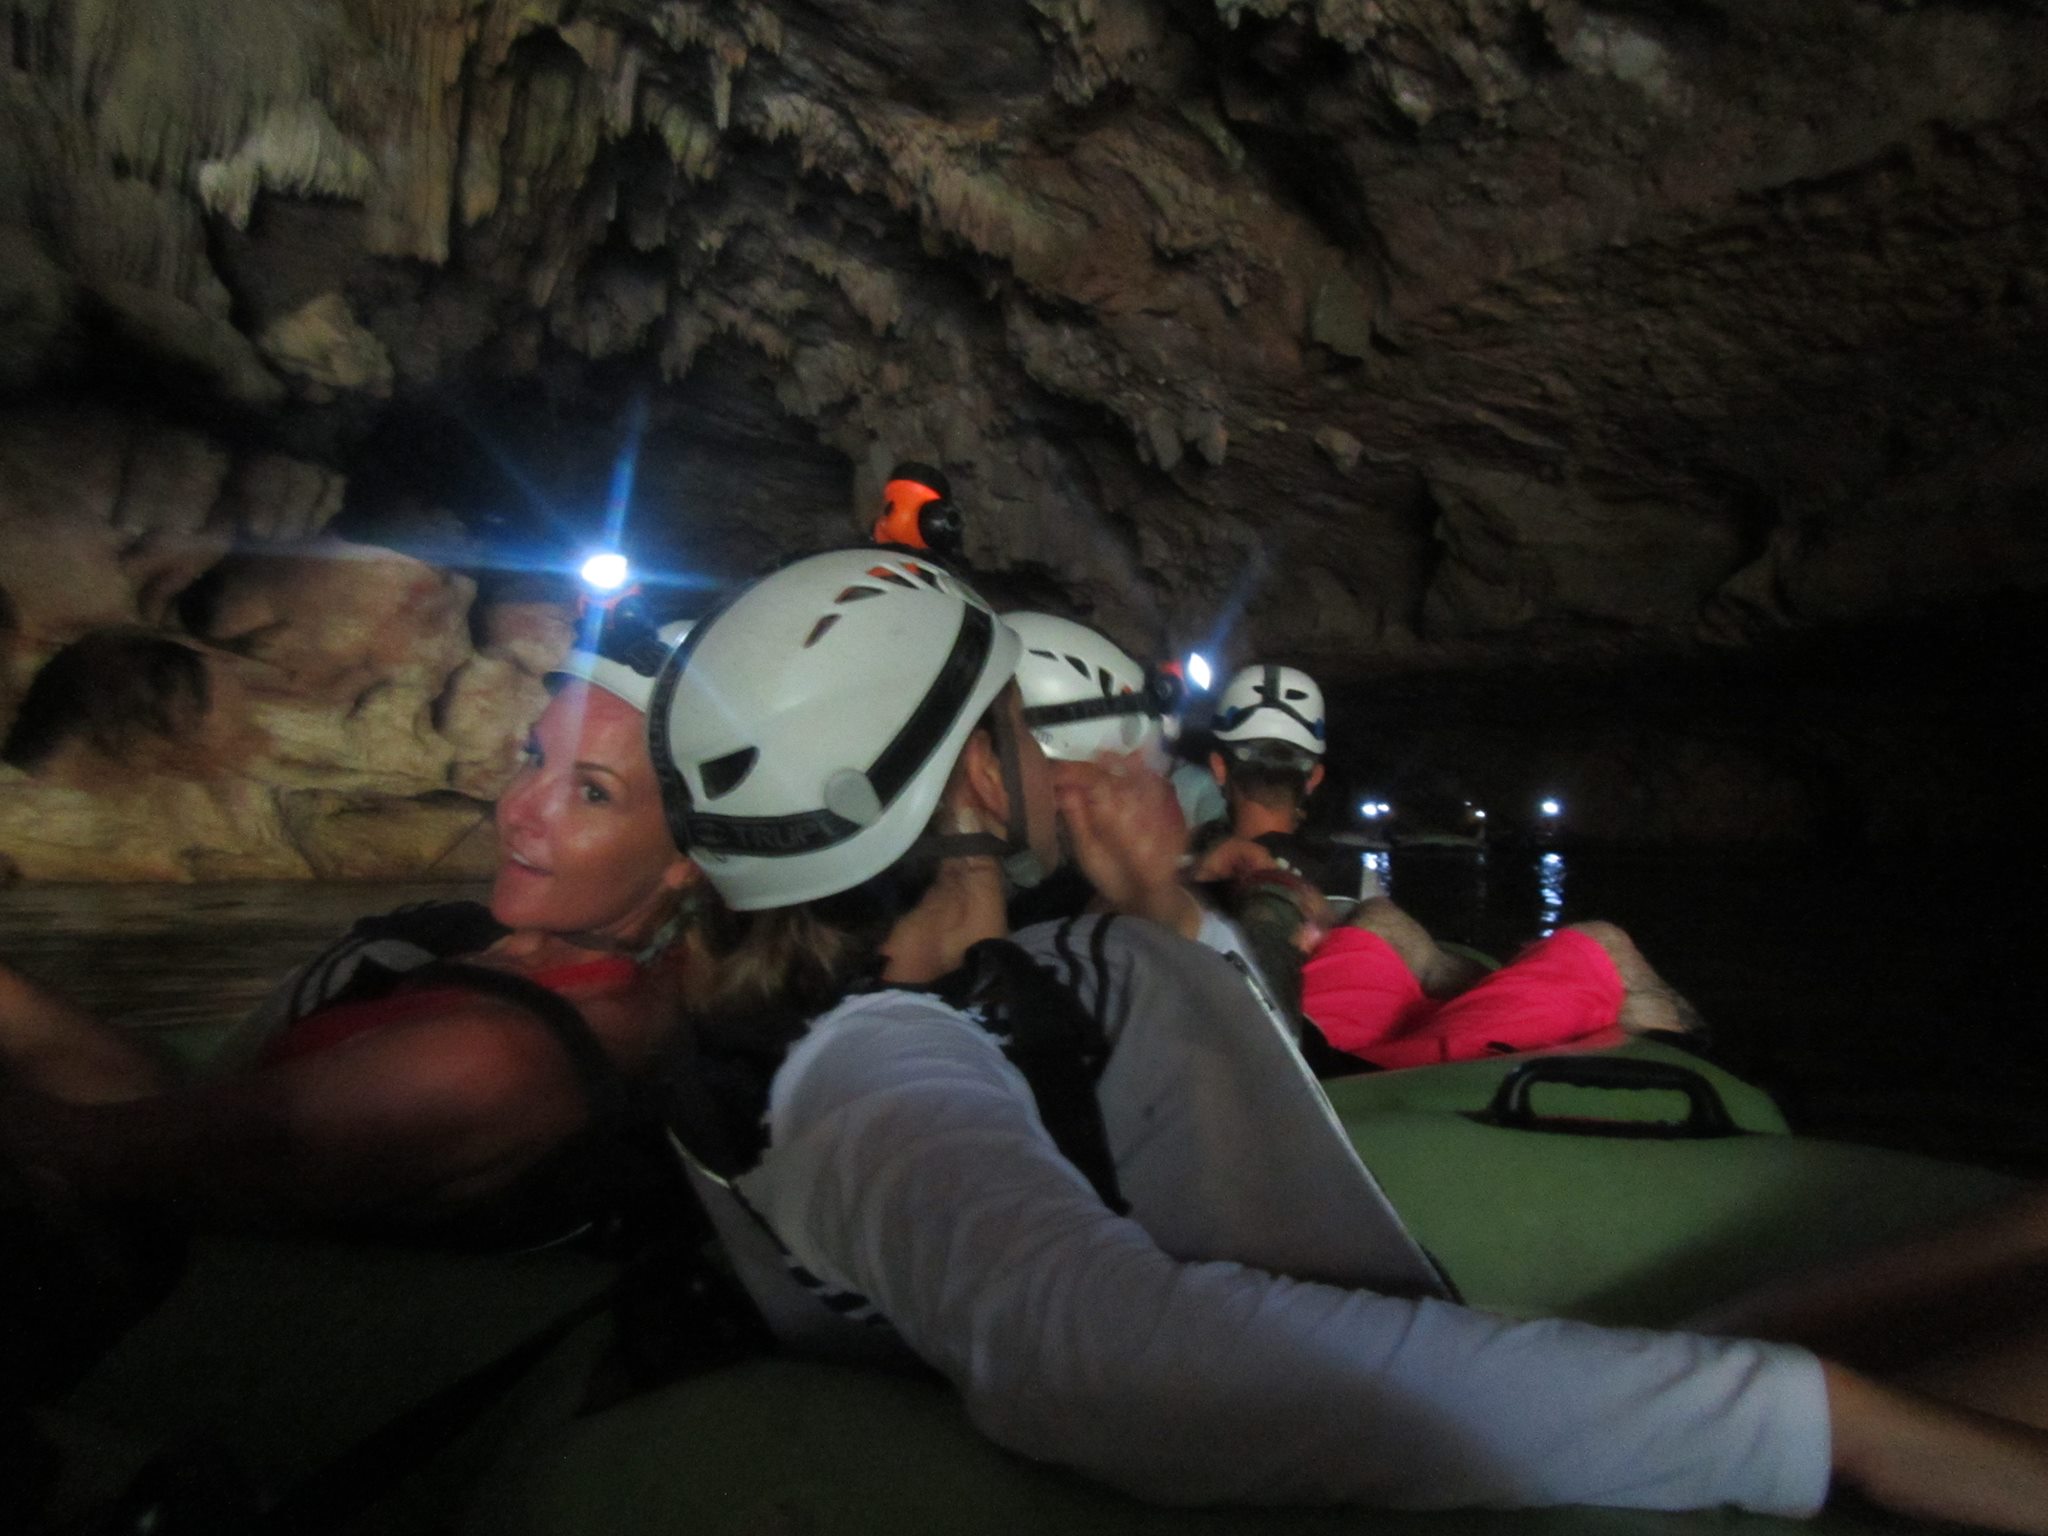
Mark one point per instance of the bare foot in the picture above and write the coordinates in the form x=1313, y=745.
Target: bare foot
x=1440, y=973
x=1649, y=1003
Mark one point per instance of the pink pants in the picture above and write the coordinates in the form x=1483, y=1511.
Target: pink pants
x=1562, y=990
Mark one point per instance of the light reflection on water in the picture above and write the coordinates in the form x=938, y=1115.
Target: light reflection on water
x=1498, y=898
x=186, y=958
x=1378, y=865
x=1550, y=892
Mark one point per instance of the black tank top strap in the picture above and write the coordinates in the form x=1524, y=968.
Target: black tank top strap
x=717, y=1090
x=1057, y=1044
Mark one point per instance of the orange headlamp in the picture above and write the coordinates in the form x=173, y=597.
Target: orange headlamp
x=918, y=512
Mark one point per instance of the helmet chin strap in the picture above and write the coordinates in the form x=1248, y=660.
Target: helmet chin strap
x=1021, y=866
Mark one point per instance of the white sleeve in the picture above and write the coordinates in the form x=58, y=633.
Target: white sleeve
x=908, y=1163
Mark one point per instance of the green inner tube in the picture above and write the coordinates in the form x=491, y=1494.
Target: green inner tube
x=285, y=1353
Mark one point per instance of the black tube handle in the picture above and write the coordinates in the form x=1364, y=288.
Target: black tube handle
x=1706, y=1115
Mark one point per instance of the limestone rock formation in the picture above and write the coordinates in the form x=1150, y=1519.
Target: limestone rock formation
x=203, y=685
x=1407, y=338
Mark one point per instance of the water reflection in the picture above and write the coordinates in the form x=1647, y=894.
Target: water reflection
x=1549, y=893
x=185, y=960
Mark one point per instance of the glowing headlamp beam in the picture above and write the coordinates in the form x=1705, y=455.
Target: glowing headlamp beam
x=605, y=571
x=1198, y=671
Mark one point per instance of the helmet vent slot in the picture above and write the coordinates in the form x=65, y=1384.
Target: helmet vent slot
x=857, y=594
x=928, y=576
x=895, y=577
x=1079, y=666
x=818, y=630
x=723, y=775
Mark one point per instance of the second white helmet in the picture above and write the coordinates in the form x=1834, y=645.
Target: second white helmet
x=1270, y=703
x=1083, y=695
x=624, y=660
x=805, y=731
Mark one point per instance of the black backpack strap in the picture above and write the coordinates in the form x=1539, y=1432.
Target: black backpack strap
x=1059, y=1046
x=718, y=1095
x=379, y=952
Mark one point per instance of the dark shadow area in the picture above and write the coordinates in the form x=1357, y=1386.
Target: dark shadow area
x=715, y=486
x=115, y=689
x=1906, y=732
x=1884, y=995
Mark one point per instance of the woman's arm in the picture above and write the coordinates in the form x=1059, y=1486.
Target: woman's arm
x=1920, y=1457
x=55, y=1047
x=908, y=1165
x=437, y=1109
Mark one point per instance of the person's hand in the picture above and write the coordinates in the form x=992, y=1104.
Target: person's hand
x=1310, y=907
x=1232, y=859
x=1128, y=836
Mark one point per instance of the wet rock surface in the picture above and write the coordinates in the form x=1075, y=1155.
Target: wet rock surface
x=1421, y=341
x=202, y=684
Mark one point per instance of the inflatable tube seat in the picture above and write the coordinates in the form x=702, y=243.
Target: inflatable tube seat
x=779, y=1446
x=1469, y=1086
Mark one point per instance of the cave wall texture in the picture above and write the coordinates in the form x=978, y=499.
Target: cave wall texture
x=1649, y=398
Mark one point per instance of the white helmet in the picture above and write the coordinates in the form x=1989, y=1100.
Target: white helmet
x=1082, y=694
x=804, y=732
x=1269, y=703
x=626, y=660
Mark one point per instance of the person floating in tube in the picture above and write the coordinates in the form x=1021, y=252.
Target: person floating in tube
x=1076, y=1171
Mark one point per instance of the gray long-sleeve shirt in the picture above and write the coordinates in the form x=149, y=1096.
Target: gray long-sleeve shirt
x=1260, y=1328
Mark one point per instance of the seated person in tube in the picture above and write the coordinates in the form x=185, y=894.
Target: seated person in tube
x=1376, y=985
x=443, y=1061
x=1078, y=1173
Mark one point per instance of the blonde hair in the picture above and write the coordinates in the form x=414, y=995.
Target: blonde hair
x=802, y=959
x=787, y=958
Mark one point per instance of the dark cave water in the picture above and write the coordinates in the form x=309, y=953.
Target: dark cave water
x=1883, y=996
x=184, y=963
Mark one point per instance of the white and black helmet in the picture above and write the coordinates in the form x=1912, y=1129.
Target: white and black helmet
x=805, y=731
x=1269, y=703
x=625, y=660
x=1084, y=696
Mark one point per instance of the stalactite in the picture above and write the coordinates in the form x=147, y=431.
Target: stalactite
x=295, y=150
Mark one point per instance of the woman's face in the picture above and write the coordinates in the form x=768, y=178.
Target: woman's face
x=583, y=847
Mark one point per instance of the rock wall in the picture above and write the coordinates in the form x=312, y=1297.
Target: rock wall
x=1403, y=338
x=201, y=683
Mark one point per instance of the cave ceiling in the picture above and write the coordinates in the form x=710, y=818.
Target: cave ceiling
x=1390, y=334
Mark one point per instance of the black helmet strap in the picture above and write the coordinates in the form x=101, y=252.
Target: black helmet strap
x=1015, y=842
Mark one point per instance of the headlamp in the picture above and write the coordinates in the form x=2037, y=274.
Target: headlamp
x=605, y=571
x=1159, y=698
